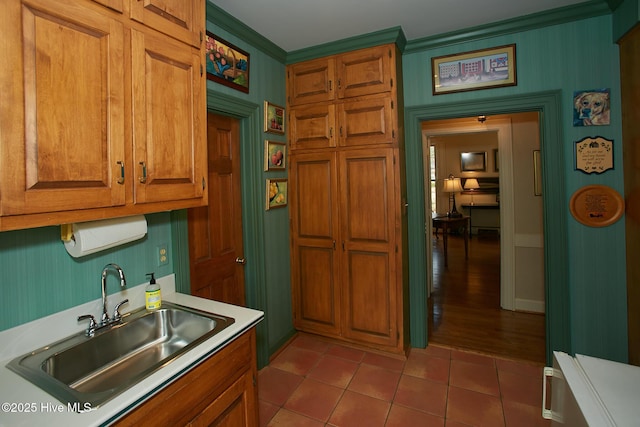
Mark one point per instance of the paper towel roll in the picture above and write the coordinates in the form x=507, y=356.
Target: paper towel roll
x=94, y=236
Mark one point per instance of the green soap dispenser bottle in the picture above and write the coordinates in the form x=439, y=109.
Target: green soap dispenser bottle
x=152, y=297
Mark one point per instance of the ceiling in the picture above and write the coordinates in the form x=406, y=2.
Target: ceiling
x=299, y=24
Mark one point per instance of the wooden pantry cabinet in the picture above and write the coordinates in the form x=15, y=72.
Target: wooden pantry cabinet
x=347, y=198
x=102, y=115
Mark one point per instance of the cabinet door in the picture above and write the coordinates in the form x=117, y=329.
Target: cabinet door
x=312, y=126
x=169, y=121
x=315, y=228
x=365, y=71
x=61, y=119
x=181, y=19
x=367, y=121
x=369, y=214
x=311, y=81
x=235, y=407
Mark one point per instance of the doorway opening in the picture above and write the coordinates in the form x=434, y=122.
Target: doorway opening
x=491, y=297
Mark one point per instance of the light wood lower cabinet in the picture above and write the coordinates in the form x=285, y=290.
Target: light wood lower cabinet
x=221, y=391
x=346, y=262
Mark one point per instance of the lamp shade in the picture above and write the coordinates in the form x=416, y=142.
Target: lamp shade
x=471, y=184
x=452, y=185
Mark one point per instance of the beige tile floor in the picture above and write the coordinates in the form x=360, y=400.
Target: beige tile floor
x=313, y=382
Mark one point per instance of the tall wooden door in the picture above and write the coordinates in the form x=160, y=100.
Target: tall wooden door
x=369, y=213
x=216, y=252
x=315, y=231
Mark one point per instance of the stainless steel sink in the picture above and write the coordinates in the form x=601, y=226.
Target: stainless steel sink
x=83, y=370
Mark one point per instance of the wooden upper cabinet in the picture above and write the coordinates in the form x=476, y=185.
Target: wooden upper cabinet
x=365, y=71
x=169, y=122
x=100, y=115
x=367, y=121
x=358, y=73
x=311, y=81
x=62, y=112
x=312, y=126
x=116, y=5
x=181, y=19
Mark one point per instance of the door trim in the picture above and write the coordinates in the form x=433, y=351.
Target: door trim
x=252, y=209
x=557, y=302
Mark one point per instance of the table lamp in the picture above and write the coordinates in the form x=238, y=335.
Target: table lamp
x=472, y=185
x=452, y=186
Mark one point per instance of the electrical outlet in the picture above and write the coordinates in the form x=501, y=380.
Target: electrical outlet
x=163, y=255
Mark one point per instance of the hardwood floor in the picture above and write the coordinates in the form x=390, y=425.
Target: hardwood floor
x=464, y=307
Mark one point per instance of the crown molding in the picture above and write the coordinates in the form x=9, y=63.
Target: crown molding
x=515, y=25
x=222, y=19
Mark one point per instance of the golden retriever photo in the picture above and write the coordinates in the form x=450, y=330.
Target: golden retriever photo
x=591, y=108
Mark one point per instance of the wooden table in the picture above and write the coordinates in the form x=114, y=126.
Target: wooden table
x=447, y=223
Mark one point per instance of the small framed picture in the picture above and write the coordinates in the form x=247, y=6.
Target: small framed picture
x=473, y=162
x=591, y=107
x=275, y=155
x=226, y=63
x=276, y=193
x=273, y=118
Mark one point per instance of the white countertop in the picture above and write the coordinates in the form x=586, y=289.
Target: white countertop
x=24, y=404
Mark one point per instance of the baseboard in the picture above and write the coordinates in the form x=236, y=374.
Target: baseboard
x=530, y=305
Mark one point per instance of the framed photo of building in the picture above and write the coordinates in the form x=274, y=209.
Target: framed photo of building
x=479, y=69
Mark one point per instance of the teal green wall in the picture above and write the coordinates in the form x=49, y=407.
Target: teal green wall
x=266, y=233
x=566, y=57
x=38, y=277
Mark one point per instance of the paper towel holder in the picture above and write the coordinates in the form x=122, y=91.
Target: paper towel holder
x=85, y=238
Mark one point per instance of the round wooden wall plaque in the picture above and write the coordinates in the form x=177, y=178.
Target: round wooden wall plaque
x=596, y=205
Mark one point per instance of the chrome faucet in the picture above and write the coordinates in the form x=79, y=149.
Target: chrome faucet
x=123, y=283
x=105, y=320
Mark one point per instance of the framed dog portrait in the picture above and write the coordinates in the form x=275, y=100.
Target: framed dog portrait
x=591, y=107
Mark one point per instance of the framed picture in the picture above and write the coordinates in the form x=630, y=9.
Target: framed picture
x=594, y=154
x=273, y=118
x=591, y=107
x=227, y=64
x=479, y=69
x=473, y=162
x=276, y=193
x=275, y=155
x=496, y=160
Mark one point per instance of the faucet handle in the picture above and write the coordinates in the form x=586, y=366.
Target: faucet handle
x=116, y=312
x=92, y=323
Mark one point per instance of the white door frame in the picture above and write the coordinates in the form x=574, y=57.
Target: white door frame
x=507, y=221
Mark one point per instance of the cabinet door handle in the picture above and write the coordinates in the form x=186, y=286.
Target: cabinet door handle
x=121, y=164
x=143, y=178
